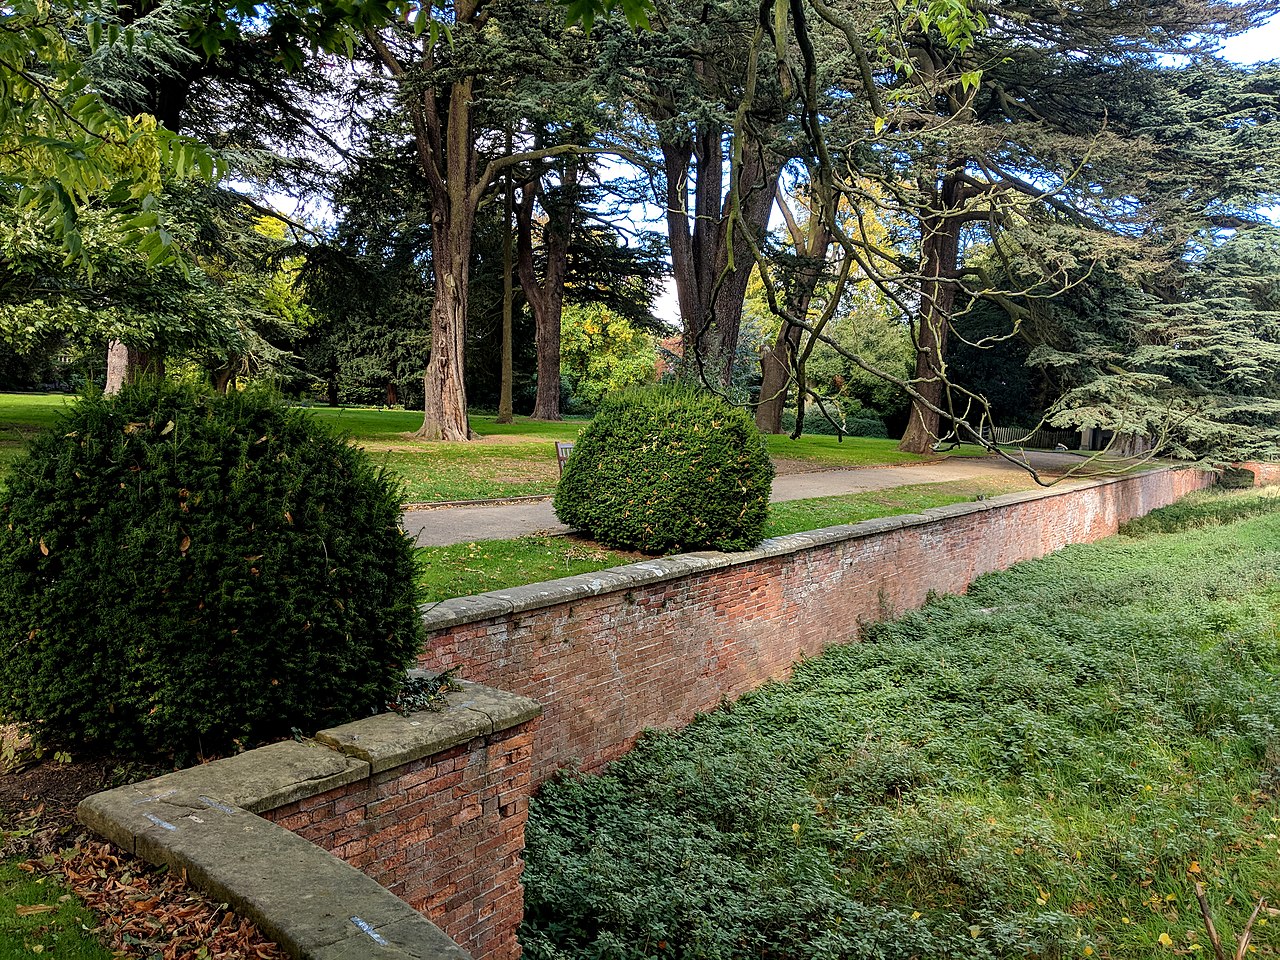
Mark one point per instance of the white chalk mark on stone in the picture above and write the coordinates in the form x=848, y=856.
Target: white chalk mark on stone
x=371, y=933
x=160, y=823
x=157, y=797
x=210, y=802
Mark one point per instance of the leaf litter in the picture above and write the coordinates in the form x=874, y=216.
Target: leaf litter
x=153, y=914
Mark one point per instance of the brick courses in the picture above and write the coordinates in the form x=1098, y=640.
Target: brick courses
x=445, y=833
x=613, y=654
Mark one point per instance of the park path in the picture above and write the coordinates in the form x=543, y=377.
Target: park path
x=446, y=525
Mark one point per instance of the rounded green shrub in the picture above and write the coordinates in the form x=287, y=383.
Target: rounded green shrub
x=184, y=572
x=667, y=468
x=1236, y=478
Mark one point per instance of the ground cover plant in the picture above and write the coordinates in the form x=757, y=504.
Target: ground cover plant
x=464, y=569
x=1039, y=768
x=183, y=572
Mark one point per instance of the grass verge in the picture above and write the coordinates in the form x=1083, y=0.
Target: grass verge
x=1040, y=768
x=468, y=568
x=507, y=460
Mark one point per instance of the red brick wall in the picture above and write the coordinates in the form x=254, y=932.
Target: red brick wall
x=1264, y=474
x=444, y=833
x=608, y=666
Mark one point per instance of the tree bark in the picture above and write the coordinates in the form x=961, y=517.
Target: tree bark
x=506, y=413
x=812, y=242
x=126, y=365
x=446, y=157
x=710, y=263
x=453, y=217
x=940, y=254
x=445, y=404
x=222, y=378
x=546, y=299
x=775, y=379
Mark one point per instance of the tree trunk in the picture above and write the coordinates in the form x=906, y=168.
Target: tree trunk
x=812, y=243
x=709, y=291
x=546, y=405
x=446, y=154
x=940, y=254
x=506, y=413
x=393, y=395
x=331, y=393
x=445, y=405
x=126, y=365
x=546, y=299
x=775, y=379
x=222, y=378
x=453, y=215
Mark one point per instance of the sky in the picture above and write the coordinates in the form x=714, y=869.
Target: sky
x=1260, y=44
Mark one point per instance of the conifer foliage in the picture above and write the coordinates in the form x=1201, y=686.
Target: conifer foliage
x=668, y=468
x=184, y=572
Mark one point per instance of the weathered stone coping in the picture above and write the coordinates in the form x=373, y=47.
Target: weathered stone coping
x=502, y=603
x=203, y=820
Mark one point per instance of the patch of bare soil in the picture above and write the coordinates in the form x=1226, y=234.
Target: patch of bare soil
x=783, y=467
x=410, y=444
x=38, y=797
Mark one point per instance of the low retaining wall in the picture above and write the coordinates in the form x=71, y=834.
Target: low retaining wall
x=611, y=654
x=334, y=846
x=344, y=847
x=1265, y=474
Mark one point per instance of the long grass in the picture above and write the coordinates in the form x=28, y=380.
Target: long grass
x=1040, y=768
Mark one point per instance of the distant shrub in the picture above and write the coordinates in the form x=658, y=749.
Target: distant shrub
x=666, y=469
x=180, y=571
x=1236, y=478
x=859, y=423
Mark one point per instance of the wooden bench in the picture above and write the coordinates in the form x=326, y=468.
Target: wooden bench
x=562, y=454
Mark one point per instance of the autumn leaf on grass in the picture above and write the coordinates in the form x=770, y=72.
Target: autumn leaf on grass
x=25, y=910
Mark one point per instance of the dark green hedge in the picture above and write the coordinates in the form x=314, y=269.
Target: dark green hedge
x=668, y=468
x=862, y=423
x=184, y=572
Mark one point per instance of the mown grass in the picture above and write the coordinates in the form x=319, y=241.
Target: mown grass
x=39, y=917
x=1040, y=768
x=508, y=460
x=22, y=416
x=469, y=568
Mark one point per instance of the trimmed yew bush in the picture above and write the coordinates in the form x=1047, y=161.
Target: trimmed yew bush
x=668, y=468
x=184, y=572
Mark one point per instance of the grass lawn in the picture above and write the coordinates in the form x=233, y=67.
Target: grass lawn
x=22, y=416
x=508, y=460
x=38, y=916
x=469, y=568
x=1040, y=768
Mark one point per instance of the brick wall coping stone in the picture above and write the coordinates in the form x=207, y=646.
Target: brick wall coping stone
x=501, y=603
x=390, y=740
x=204, y=820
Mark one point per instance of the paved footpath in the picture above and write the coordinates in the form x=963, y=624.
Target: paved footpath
x=443, y=526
